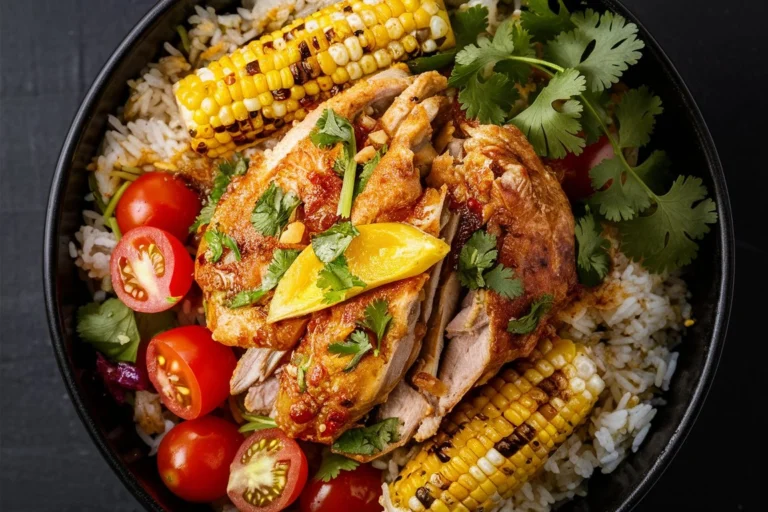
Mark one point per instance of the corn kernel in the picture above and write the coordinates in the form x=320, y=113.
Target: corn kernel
x=268, y=112
x=205, y=131
x=429, y=46
x=353, y=48
x=431, y=7
x=381, y=35
x=422, y=18
x=354, y=70
x=396, y=49
x=312, y=88
x=293, y=54
x=286, y=78
x=383, y=12
x=340, y=76
x=200, y=117
x=327, y=63
x=239, y=111
x=266, y=98
x=226, y=115
x=266, y=63
x=355, y=22
x=410, y=44
x=411, y=5
x=291, y=105
x=369, y=18
x=273, y=80
x=298, y=92
x=279, y=43
x=368, y=63
x=248, y=86
x=438, y=27
x=325, y=83
x=397, y=7
x=260, y=81
x=394, y=28
x=383, y=58
x=221, y=95
x=279, y=109
x=252, y=104
x=300, y=114
x=236, y=92
x=339, y=54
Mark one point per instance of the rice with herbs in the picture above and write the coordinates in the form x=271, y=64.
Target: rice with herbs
x=632, y=322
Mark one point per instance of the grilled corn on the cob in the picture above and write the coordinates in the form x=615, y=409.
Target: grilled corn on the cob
x=251, y=93
x=495, y=441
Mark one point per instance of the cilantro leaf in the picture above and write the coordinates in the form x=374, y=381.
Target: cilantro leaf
x=111, y=328
x=358, y=344
x=502, y=280
x=636, y=115
x=593, y=258
x=227, y=170
x=488, y=101
x=529, y=322
x=273, y=209
x=554, y=131
x=216, y=241
x=368, y=169
x=377, y=319
x=543, y=22
x=467, y=25
x=474, y=58
x=256, y=422
x=331, y=243
x=340, y=164
x=332, y=464
x=514, y=70
x=614, y=44
x=281, y=260
x=477, y=256
x=336, y=279
x=246, y=298
x=620, y=194
x=664, y=239
x=369, y=440
x=591, y=124
x=331, y=129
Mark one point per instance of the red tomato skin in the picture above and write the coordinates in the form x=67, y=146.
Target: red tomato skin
x=209, y=363
x=297, y=475
x=357, y=490
x=575, y=169
x=194, y=457
x=159, y=200
x=177, y=278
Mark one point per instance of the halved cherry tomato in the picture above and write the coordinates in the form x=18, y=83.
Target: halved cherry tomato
x=159, y=200
x=268, y=472
x=151, y=270
x=357, y=490
x=190, y=370
x=576, y=181
x=194, y=457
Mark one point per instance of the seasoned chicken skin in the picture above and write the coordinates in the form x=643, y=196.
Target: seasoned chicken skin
x=296, y=165
x=517, y=199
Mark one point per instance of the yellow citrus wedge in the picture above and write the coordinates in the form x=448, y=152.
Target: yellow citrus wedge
x=381, y=254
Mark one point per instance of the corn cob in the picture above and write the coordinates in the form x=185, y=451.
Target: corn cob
x=495, y=440
x=248, y=95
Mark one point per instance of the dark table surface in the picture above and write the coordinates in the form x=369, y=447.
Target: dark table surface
x=50, y=50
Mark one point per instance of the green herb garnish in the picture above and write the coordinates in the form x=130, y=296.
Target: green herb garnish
x=529, y=322
x=377, y=319
x=227, y=170
x=332, y=129
x=358, y=344
x=332, y=464
x=273, y=210
x=216, y=241
x=369, y=440
x=476, y=267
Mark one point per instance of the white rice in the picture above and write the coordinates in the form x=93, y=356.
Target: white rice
x=632, y=322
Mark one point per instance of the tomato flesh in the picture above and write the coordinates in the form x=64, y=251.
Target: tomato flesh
x=194, y=457
x=357, y=490
x=190, y=370
x=151, y=270
x=160, y=200
x=268, y=472
x=575, y=168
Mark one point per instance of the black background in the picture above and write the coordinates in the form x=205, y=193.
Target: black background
x=50, y=50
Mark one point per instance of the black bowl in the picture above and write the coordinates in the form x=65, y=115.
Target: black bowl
x=681, y=131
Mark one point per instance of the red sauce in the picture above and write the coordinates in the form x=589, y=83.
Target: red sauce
x=361, y=135
x=301, y=412
x=336, y=419
x=316, y=375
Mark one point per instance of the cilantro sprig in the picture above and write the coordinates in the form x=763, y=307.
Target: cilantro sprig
x=332, y=129
x=592, y=257
x=530, y=321
x=332, y=465
x=335, y=277
x=368, y=168
x=369, y=440
x=281, y=260
x=226, y=172
x=377, y=319
x=357, y=345
x=273, y=210
x=477, y=270
x=217, y=241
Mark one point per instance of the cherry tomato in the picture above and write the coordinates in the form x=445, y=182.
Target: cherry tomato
x=159, y=200
x=190, y=370
x=357, y=490
x=576, y=181
x=151, y=270
x=194, y=457
x=268, y=472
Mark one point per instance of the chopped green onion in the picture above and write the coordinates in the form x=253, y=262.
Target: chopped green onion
x=184, y=38
x=256, y=423
x=125, y=175
x=115, y=228
x=132, y=170
x=94, y=186
x=110, y=209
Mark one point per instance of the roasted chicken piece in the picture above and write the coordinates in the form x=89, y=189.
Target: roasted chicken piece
x=295, y=164
x=507, y=190
x=334, y=399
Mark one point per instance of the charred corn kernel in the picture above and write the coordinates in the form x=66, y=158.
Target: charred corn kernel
x=312, y=88
x=327, y=63
x=340, y=76
x=422, y=18
x=410, y=44
x=305, y=58
x=394, y=28
x=325, y=83
x=555, y=389
x=354, y=70
x=381, y=35
x=286, y=78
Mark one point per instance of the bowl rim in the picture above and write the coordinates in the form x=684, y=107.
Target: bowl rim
x=715, y=343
